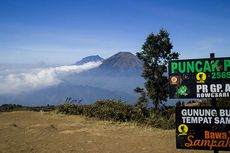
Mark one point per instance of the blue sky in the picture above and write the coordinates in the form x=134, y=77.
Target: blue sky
x=64, y=31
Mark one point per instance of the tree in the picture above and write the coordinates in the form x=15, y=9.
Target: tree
x=142, y=101
x=155, y=55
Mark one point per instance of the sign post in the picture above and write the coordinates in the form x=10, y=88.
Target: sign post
x=213, y=102
x=204, y=128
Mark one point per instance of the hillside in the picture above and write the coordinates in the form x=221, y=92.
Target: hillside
x=32, y=132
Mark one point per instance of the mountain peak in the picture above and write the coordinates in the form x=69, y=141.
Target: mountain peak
x=93, y=58
x=122, y=61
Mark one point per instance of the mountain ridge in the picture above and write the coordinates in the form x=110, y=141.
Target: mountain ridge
x=122, y=61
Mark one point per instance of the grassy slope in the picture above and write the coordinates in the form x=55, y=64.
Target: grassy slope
x=25, y=131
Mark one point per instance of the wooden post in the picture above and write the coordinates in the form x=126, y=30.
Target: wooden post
x=213, y=102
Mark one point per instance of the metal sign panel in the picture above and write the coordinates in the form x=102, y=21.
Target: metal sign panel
x=200, y=78
x=203, y=128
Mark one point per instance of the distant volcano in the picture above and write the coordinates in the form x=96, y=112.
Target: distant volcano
x=93, y=58
x=115, y=78
x=122, y=61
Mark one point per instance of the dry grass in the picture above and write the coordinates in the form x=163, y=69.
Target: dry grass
x=33, y=132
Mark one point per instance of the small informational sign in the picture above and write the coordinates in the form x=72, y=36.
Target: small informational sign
x=203, y=128
x=200, y=78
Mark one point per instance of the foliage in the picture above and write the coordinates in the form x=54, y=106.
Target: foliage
x=9, y=107
x=223, y=102
x=71, y=106
x=142, y=101
x=119, y=111
x=110, y=110
x=16, y=107
x=220, y=102
x=105, y=110
x=155, y=56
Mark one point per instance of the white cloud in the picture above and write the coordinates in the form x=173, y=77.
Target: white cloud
x=39, y=78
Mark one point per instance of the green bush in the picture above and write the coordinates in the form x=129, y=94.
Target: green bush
x=16, y=107
x=70, y=108
x=9, y=107
x=164, y=119
x=220, y=102
x=110, y=110
x=113, y=110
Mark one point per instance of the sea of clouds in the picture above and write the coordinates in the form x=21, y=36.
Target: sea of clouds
x=38, y=78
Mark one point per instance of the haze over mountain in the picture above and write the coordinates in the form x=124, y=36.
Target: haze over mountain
x=120, y=72
x=115, y=78
x=57, y=94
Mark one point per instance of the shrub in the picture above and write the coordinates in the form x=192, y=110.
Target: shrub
x=9, y=107
x=162, y=119
x=110, y=110
x=113, y=110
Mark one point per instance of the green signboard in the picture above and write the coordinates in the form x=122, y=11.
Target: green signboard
x=200, y=78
